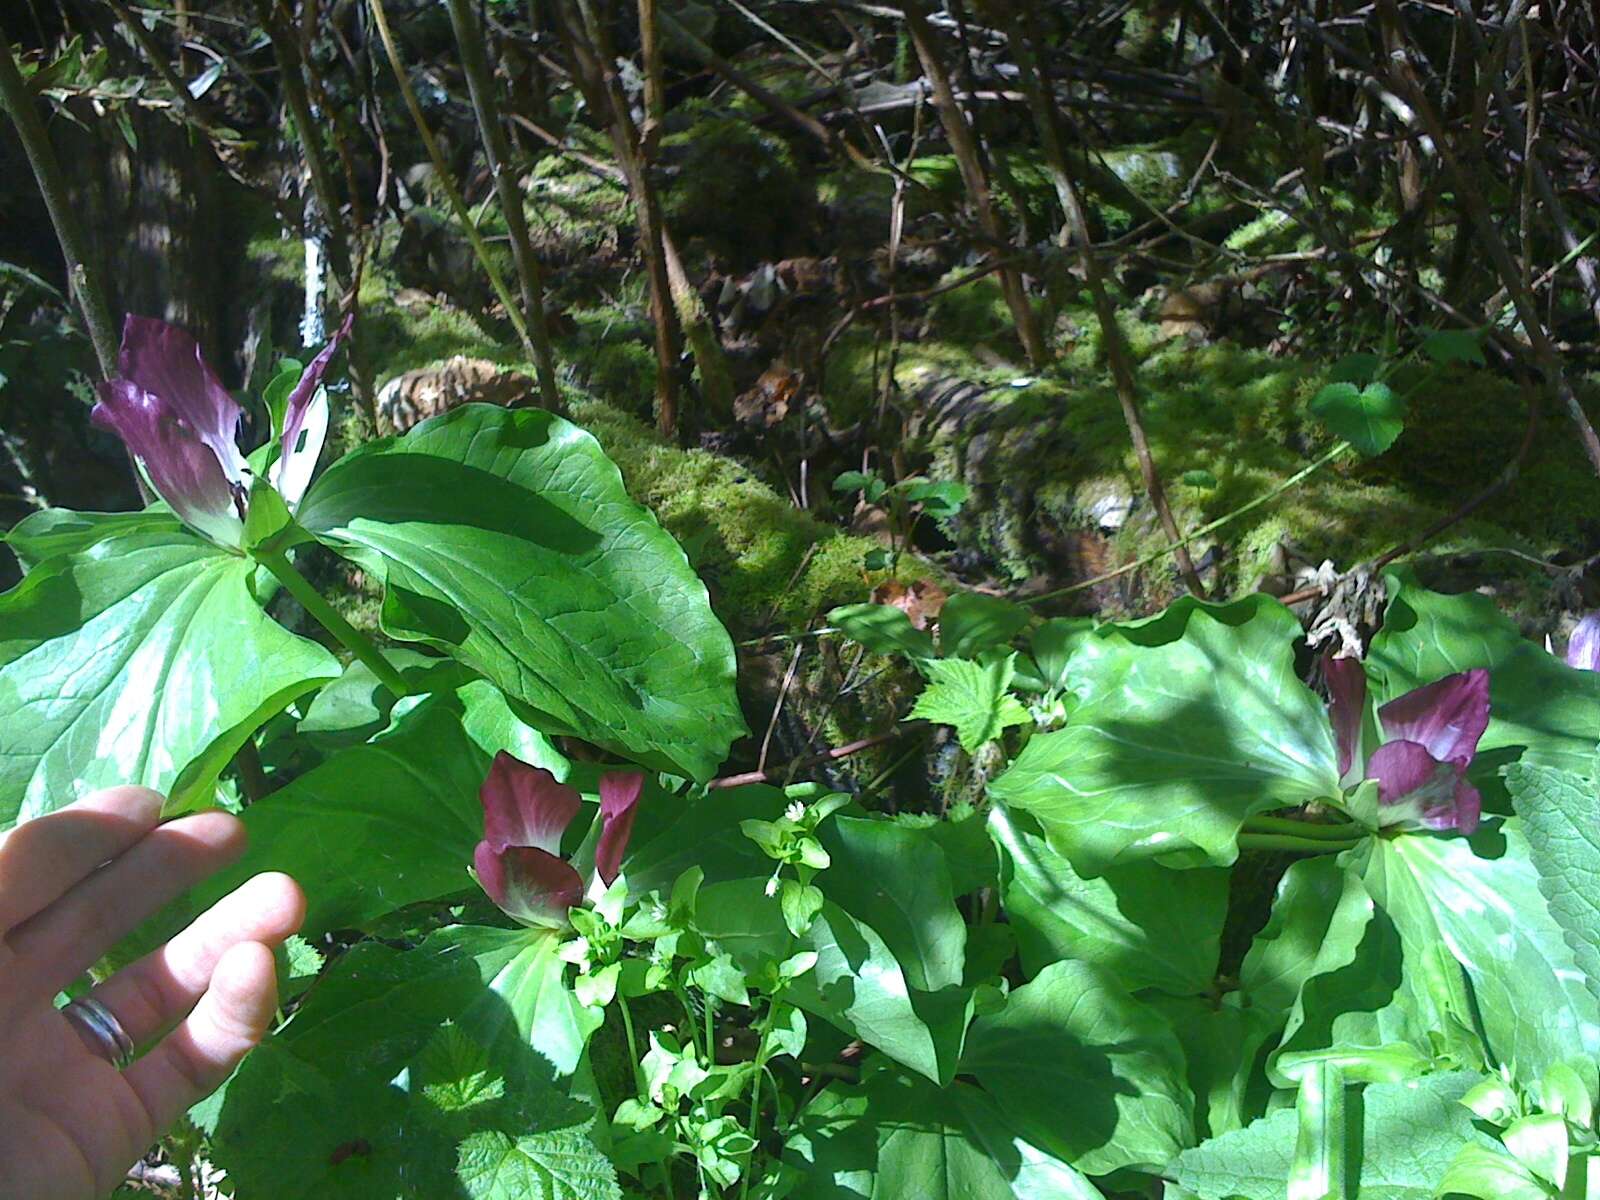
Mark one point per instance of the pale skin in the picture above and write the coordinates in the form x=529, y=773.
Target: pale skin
x=71, y=884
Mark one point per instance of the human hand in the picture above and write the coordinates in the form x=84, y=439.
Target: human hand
x=71, y=884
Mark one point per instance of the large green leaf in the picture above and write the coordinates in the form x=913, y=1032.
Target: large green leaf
x=141, y=659
x=420, y=1073
x=896, y=1136
x=55, y=531
x=857, y=984
x=506, y=539
x=1187, y=724
x=1148, y=925
x=1410, y=1132
x=1084, y=1071
x=1540, y=709
x=1319, y=917
x=1479, y=898
x=380, y=825
x=896, y=879
x=1558, y=816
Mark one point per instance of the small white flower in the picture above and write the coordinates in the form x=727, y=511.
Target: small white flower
x=772, y=886
x=795, y=811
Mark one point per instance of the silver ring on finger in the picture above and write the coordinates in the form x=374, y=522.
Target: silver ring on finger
x=101, y=1030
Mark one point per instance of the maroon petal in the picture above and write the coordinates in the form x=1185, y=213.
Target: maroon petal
x=1448, y=716
x=165, y=361
x=619, y=800
x=1583, y=651
x=296, y=462
x=1402, y=769
x=528, y=884
x=1347, y=695
x=524, y=805
x=181, y=467
x=1463, y=811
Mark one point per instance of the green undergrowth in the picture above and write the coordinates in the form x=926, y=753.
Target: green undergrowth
x=1217, y=411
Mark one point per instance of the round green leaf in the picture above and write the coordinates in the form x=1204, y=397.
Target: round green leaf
x=1369, y=418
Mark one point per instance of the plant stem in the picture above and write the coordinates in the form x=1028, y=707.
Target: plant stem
x=755, y=1091
x=497, y=149
x=348, y=636
x=1343, y=831
x=627, y=1028
x=82, y=280
x=1299, y=845
x=1288, y=483
x=441, y=171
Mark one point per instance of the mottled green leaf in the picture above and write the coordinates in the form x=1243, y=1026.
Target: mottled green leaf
x=1559, y=811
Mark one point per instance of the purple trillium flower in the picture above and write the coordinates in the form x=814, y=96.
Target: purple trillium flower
x=180, y=424
x=525, y=812
x=1427, y=739
x=1583, y=650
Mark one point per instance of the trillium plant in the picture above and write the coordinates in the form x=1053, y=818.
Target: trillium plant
x=525, y=812
x=1023, y=988
x=181, y=426
x=1417, y=747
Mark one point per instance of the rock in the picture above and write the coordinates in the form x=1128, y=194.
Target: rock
x=417, y=395
x=1110, y=512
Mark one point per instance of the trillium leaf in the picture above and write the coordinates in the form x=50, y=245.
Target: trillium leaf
x=140, y=659
x=883, y=629
x=506, y=540
x=1479, y=899
x=1409, y=1134
x=456, y=1097
x=1148, y=925
x=896, y=1135
x=381, y=825
x=1084, y=1071
x=857, y=983
x=971, y=622
x=1370, y=418
x=53, y=531
x=1186, y=725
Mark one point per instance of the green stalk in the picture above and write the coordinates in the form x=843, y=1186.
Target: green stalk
x=755, y=1093
x=1343, y=831
x=1298, y=845
x=633, y=1045
x=441, y=171
x=351, y=638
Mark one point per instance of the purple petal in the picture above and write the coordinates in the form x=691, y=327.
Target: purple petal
x=1402, y=769
x=306, y=410
x=523, y=805
x=619, y=800
x=1428, y=793
x=1468, y=808
x=164, y=360
x=1583, y=651
x=529, y=885
x=1347, y=696
x=181, y=468
x=1448, y=716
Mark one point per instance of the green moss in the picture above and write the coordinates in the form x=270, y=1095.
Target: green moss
x=730, y=183
x=749, y=544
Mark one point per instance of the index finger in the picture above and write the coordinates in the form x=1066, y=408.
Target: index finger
x=40, y=861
